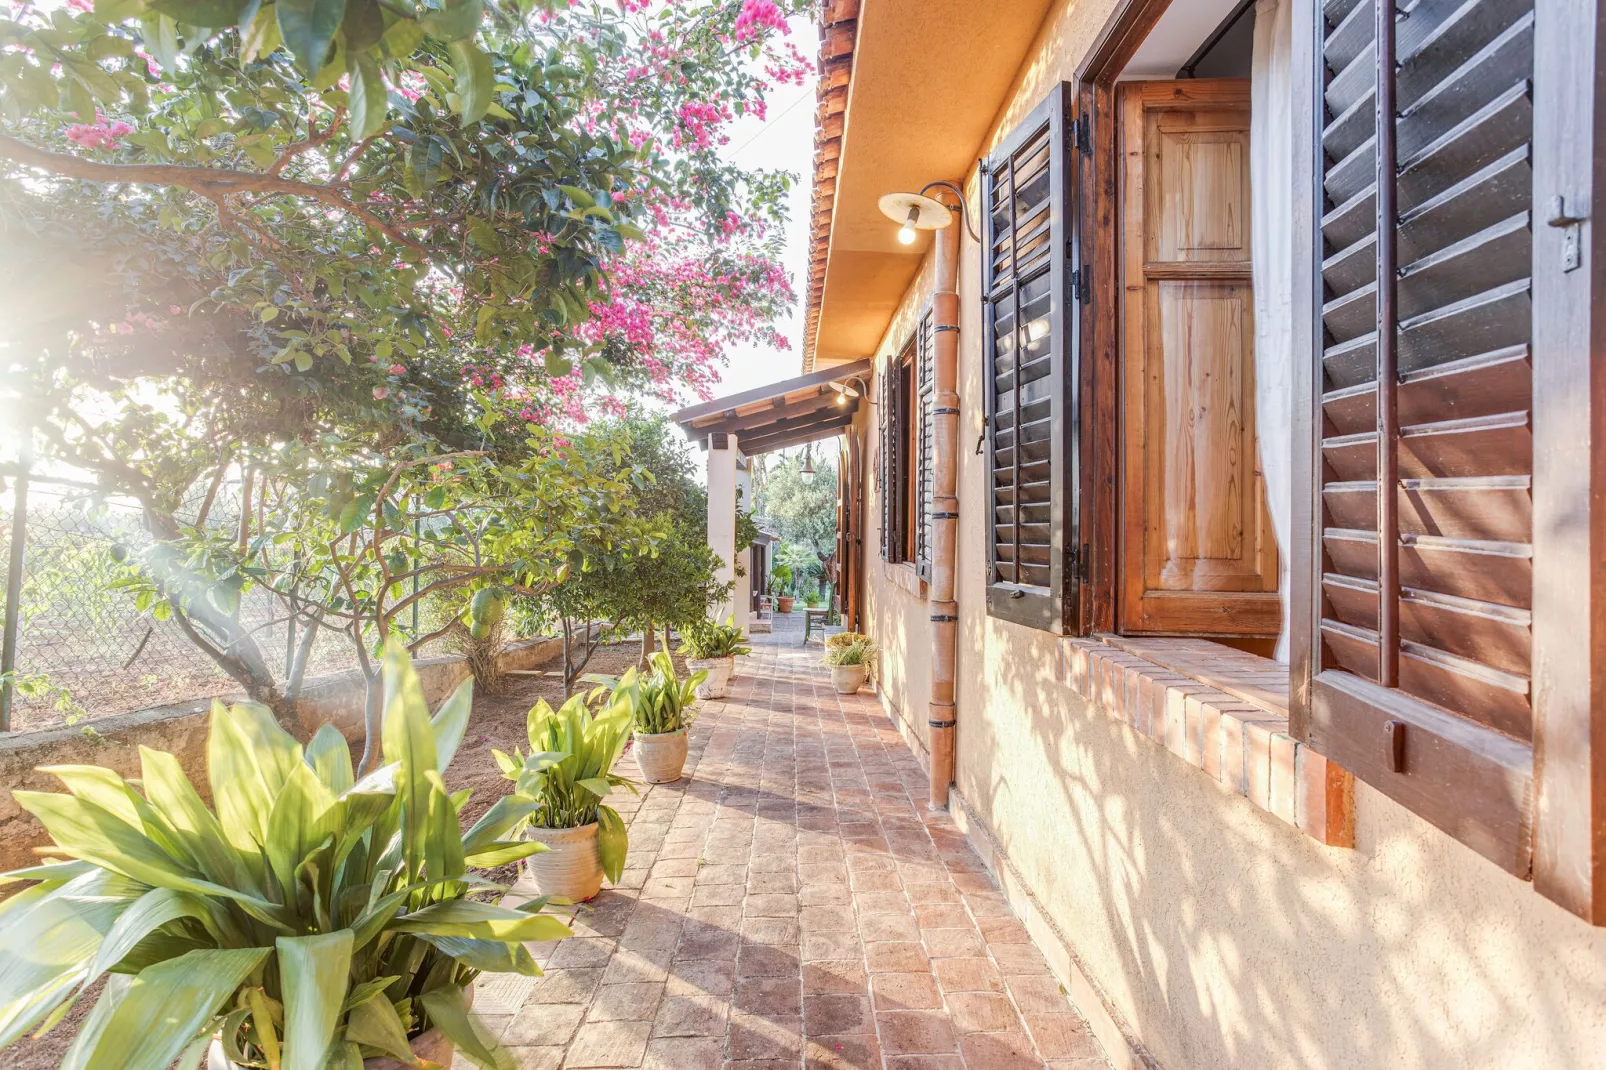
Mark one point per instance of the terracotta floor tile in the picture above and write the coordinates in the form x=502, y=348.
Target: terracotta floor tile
x=792, y=903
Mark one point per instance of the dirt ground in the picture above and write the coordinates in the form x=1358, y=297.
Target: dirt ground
x=496, y=723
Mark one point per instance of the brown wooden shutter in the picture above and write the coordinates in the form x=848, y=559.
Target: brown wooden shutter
x=1028, y=366
x=925, y=392
x=1421, y=662
x=886, y=402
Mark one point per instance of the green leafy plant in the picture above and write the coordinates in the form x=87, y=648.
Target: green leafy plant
x=569, y=771
x=814, y=600
x=706, y=640
x=660, y=700
x=855, y=650
x=305, y=918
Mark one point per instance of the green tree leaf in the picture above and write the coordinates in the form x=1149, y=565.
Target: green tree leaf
x=316, y=974
x=474, y=80
x=308, y=27
x=369, y=100
x=455, y=20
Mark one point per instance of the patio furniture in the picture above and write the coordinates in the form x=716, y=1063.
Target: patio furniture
x=814, y=618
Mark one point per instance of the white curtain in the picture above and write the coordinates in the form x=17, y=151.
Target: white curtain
x=1271, y=177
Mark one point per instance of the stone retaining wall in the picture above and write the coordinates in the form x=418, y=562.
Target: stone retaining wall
x=182, y=728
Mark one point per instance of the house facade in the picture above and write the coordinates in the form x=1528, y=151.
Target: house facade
x=1280, y=771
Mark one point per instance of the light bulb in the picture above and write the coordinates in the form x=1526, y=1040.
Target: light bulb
x=841, y=399
x=906, y=234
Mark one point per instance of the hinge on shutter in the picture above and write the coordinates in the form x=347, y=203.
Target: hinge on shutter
x=1082, y=285
x=1081, y=134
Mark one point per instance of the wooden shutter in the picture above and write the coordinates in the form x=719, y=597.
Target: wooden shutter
x=1028, y=360
x=925, y=392
x=1423, y=595
x=886, y=402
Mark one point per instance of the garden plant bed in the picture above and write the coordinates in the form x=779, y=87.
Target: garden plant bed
x=498, y=723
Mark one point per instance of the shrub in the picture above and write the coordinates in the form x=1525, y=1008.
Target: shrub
x=660, y=700
x=705, y=640
x=303, y=917
x=569, y=771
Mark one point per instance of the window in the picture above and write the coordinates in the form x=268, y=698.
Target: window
x=1028, y=379
x=899, y=478
x=1447, y=644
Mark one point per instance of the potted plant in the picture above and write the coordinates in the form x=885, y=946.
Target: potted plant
x=560, y=787
x=303, y=919
x=782, y=575
x=712, y=648
x=851, y=657
x=662, y=712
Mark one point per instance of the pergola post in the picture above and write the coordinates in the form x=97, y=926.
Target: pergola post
x=722, y=516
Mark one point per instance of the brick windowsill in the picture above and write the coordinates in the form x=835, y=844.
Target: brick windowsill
x=1222, y=715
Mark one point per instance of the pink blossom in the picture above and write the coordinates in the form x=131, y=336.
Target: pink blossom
x=756, y=17
x=381, y=393
x=101, y=134
x=398, y=369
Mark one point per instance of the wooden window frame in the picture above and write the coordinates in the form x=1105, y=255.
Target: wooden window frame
x=1052, y=608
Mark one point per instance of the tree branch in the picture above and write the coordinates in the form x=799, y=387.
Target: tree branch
x=209, y=182
x=314, y=139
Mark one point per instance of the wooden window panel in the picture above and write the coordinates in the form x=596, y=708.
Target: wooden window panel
x=1197, y=551
x=1029, y=385
x=1455, y=642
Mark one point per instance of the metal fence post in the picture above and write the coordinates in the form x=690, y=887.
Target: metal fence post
x=19, y=541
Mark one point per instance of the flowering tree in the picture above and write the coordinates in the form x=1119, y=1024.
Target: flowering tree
x=239, y=229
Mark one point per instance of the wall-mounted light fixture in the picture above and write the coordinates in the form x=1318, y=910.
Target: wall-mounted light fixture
x=917, y=212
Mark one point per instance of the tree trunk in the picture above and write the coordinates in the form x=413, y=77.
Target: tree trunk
x=372, y=718
x=647, y=640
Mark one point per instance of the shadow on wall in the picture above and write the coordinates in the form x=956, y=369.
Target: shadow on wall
x=1230, y=939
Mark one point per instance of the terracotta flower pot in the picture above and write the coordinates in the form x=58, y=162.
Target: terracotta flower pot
x=785, y=603
x=661, y=755
x=719, y=675
x=571, y=866
x=432, y=1046
x=847, y=678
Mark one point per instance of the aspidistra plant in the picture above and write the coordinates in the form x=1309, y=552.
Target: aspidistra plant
x=305, y=919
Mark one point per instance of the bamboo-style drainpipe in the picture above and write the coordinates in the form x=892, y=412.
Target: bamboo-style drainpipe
x=944, y=510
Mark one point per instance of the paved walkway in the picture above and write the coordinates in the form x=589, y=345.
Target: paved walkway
x=791, y=903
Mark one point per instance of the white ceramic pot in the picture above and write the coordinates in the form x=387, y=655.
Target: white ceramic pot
x=661, y=755
x=847, y=678
x=571, y=866
x=719, y=675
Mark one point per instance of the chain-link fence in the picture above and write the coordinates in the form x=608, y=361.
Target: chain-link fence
x=83, y=648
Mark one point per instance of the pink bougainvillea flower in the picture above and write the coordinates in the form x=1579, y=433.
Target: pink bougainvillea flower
x=381, y=393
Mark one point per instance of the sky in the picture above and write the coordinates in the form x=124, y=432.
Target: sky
x=784, y=141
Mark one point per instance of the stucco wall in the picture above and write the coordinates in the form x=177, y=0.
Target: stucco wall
x=896, y=612
x=1223, y=937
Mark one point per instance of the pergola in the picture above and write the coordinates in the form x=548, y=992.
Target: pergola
x=791, y=412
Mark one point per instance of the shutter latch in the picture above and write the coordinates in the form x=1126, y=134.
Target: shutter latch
x=1082, y=134
x=1571, y=248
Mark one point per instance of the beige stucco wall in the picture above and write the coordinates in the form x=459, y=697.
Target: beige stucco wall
x=896, y=612
x=1223, y=937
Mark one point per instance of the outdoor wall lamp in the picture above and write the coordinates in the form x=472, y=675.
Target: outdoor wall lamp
x=918, y=212
x=853, y=388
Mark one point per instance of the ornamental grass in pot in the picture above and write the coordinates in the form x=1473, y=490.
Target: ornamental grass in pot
x=851, y=656
x=560, y=788
x=713, y=648
x=662, y=703
x=305, y=919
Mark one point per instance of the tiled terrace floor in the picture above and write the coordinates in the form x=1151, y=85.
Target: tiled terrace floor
x=791, y=903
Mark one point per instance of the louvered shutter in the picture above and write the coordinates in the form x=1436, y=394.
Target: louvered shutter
x=1421, y=662
x=925, y=392
x=886, y=387
x=1028, y=360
